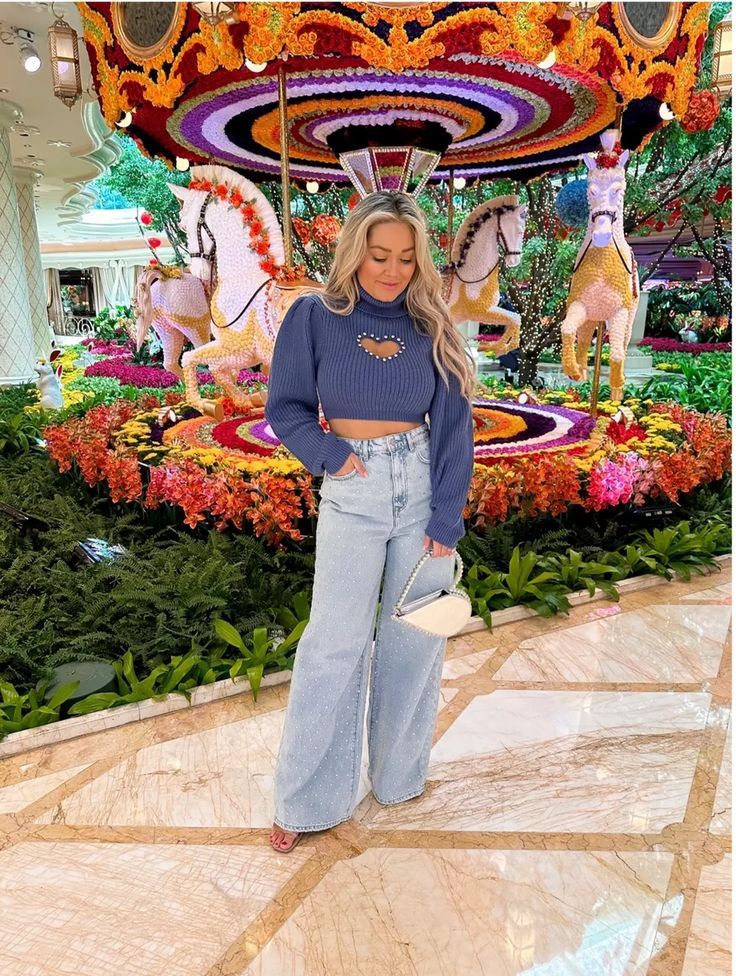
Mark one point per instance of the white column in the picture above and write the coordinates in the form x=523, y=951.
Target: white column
x=17, y=352
x=25, y=181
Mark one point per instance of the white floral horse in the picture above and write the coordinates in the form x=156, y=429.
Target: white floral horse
x=474, y=291
x=605, y=284
x=236, y=247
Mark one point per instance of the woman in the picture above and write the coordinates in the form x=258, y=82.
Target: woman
x=379, y=344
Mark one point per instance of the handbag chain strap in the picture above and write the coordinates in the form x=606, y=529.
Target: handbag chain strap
x=415, y=571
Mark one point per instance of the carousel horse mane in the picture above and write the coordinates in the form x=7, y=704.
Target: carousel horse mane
x=466, y=250
x=222, y=175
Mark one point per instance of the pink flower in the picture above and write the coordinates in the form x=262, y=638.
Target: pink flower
x=616, y=482
x=130, y=375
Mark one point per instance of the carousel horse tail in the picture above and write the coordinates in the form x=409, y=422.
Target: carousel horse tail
x=143, y=303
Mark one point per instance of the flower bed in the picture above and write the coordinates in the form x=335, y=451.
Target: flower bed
x=673, y=345
x=651, y=450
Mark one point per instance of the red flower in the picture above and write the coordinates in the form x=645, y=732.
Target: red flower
x=236, y=199
x=255, y=228
x=326, y=229
x=249, y=212
x=154, y=242
x=301, y=229
x=620, y=433
x=722, y=194
x=353, y=201
x=702, y=111
x=153, y=262
x=146, y=218
x=261, y=247
x=221, y=191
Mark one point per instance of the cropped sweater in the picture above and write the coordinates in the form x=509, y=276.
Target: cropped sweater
x=318, y=356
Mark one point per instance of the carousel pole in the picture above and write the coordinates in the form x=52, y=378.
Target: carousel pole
x=595, y=386
x=285, y=177
x=601, y=327
x=450, y=214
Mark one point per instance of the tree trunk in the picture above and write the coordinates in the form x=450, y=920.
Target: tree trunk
x=528, y=362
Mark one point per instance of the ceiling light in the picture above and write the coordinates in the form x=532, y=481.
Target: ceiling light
x=665, y=112
x=29, y=57
x=59, y=143
x=65, y=67
x=312, y=186
x=125, y=120
x=549, y=60
x=182, y=164
x=458, y=182
x=255, y=67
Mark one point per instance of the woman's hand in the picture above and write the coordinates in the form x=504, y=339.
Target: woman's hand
x=437, y=548
x=353, y=461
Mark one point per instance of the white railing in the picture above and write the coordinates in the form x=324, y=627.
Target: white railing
x=76, y=325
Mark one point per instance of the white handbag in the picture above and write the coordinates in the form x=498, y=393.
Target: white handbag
x=442, y=613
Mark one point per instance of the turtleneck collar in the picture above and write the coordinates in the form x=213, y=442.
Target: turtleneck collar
x=389, y=310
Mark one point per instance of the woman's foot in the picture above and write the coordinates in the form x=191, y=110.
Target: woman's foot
x=282, y=840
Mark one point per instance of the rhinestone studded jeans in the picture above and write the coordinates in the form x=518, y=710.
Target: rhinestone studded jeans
x=369, y=529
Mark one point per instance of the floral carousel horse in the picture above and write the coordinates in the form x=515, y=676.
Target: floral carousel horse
x=605, y=284
x=236, y=248
x=175, y=304
x=472, y=275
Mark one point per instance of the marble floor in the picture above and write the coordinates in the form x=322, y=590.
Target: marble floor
x=576, y=822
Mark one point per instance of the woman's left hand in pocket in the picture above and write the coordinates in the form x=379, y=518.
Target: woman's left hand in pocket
x=437, y=548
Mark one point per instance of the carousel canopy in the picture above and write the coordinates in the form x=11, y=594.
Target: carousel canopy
x=516, y=88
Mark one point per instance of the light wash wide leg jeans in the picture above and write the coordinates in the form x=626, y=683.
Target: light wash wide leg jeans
x=366, y=526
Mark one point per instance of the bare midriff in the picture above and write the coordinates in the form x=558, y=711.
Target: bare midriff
x=367, y=429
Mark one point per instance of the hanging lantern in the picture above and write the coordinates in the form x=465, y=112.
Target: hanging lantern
x=214, y=13
x=723, y=57
x=581, y=9
x=64, y=55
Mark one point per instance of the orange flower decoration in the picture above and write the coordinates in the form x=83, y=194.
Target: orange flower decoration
x=326, y=229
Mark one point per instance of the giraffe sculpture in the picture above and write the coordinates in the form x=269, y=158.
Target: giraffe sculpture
x=605, y=284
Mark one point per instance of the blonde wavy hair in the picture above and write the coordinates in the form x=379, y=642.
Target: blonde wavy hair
x=424, y=301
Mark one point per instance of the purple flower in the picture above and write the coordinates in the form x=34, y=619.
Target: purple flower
x=129, y=375
x=674, y=345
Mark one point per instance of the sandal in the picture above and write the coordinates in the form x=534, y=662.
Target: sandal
x=295, y=841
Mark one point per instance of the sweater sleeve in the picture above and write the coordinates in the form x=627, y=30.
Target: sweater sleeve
x=292, y=407
x=451, y=460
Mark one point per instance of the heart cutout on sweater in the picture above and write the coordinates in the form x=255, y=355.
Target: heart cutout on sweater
x=383, y=349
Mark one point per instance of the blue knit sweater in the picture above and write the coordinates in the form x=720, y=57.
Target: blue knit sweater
x=318, y=357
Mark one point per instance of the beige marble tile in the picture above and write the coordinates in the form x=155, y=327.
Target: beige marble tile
x=709, y=945
x=458, y=667
x=446, y=696
x=474, y=913
x=559, y=761
x=122, y=909
x=721, y=823
x=714, y=594
x=661, y=643
x=17, y=796
x=220, y=777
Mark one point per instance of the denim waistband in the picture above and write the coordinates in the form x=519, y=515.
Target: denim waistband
x=390, y=443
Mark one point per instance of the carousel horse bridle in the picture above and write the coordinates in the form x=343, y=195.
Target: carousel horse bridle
x=211, y=256
x=613, y=215
x=496, y=212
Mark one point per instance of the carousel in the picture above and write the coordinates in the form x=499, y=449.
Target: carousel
x=390, y=95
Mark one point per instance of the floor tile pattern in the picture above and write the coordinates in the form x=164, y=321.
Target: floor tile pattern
x=576, y=822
